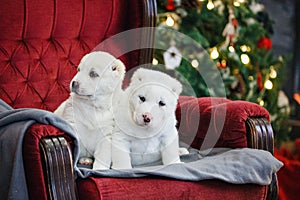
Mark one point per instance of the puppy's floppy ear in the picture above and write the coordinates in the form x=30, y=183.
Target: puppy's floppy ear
x=138, y=76
x=176, y=87
x=118, y=65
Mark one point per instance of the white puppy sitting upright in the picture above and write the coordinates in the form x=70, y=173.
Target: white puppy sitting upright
x=89, y=107
x=145, y=131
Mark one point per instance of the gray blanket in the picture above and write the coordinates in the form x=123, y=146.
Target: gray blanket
x=231, y=165
x=238, y=166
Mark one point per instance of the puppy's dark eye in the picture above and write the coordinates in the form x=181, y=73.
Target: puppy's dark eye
x=114, y=67
x=78, y=69
x=161, y=103
x=142, y=98
x=93, y=74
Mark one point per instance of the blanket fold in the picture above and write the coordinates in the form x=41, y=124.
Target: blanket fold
x=13, y=125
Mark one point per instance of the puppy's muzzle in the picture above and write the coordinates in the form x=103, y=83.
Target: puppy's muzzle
x=75, y=86
x=147, y=117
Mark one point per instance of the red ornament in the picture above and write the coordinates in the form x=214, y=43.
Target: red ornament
x=259, y=81
x=222, y=65
x=235, y=23
x=297, y=99
x=265, y=42
x=170, y=5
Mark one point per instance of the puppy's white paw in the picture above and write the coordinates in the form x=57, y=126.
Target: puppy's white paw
x=183, y=151
x=121, y=167
x=85, y=161
x=100, y=166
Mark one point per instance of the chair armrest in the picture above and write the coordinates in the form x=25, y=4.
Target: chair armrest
x=57, y=156
x=48, y=164
x=209, y=122
x=260, y=136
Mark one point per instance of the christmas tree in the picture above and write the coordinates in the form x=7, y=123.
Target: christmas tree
x=235, y=34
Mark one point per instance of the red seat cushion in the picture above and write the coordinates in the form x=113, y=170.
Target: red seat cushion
x=154, y=188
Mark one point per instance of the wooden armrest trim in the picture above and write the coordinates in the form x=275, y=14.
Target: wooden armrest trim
x=260, y=136
x=59, y=171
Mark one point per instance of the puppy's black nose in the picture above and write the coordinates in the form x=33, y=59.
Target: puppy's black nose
x=75, y=85
x=147, y=117
x=147, y=120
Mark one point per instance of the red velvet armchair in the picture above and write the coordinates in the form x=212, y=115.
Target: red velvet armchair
x=41, y=44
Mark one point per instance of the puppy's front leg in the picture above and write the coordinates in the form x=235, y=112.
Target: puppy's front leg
x=102, y=154
x=120, y=152
x=170, y=152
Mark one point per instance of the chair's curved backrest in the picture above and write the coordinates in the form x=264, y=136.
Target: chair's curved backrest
x=42, y=42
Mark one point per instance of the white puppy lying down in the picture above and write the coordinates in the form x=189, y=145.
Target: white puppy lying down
x=89, y=107
x=145, y=130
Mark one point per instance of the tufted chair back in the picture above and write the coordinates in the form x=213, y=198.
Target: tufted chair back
x=42, y=42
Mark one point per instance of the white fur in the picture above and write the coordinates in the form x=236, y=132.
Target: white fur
x=89, y=107
x=145, y=121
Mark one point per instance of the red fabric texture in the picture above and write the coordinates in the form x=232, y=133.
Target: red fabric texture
x=32, y=158
x=289, y=174
x=217, y=121
x=155, y=188
x=42, y=42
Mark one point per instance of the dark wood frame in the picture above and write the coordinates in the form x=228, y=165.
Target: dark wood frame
x=296, y=70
